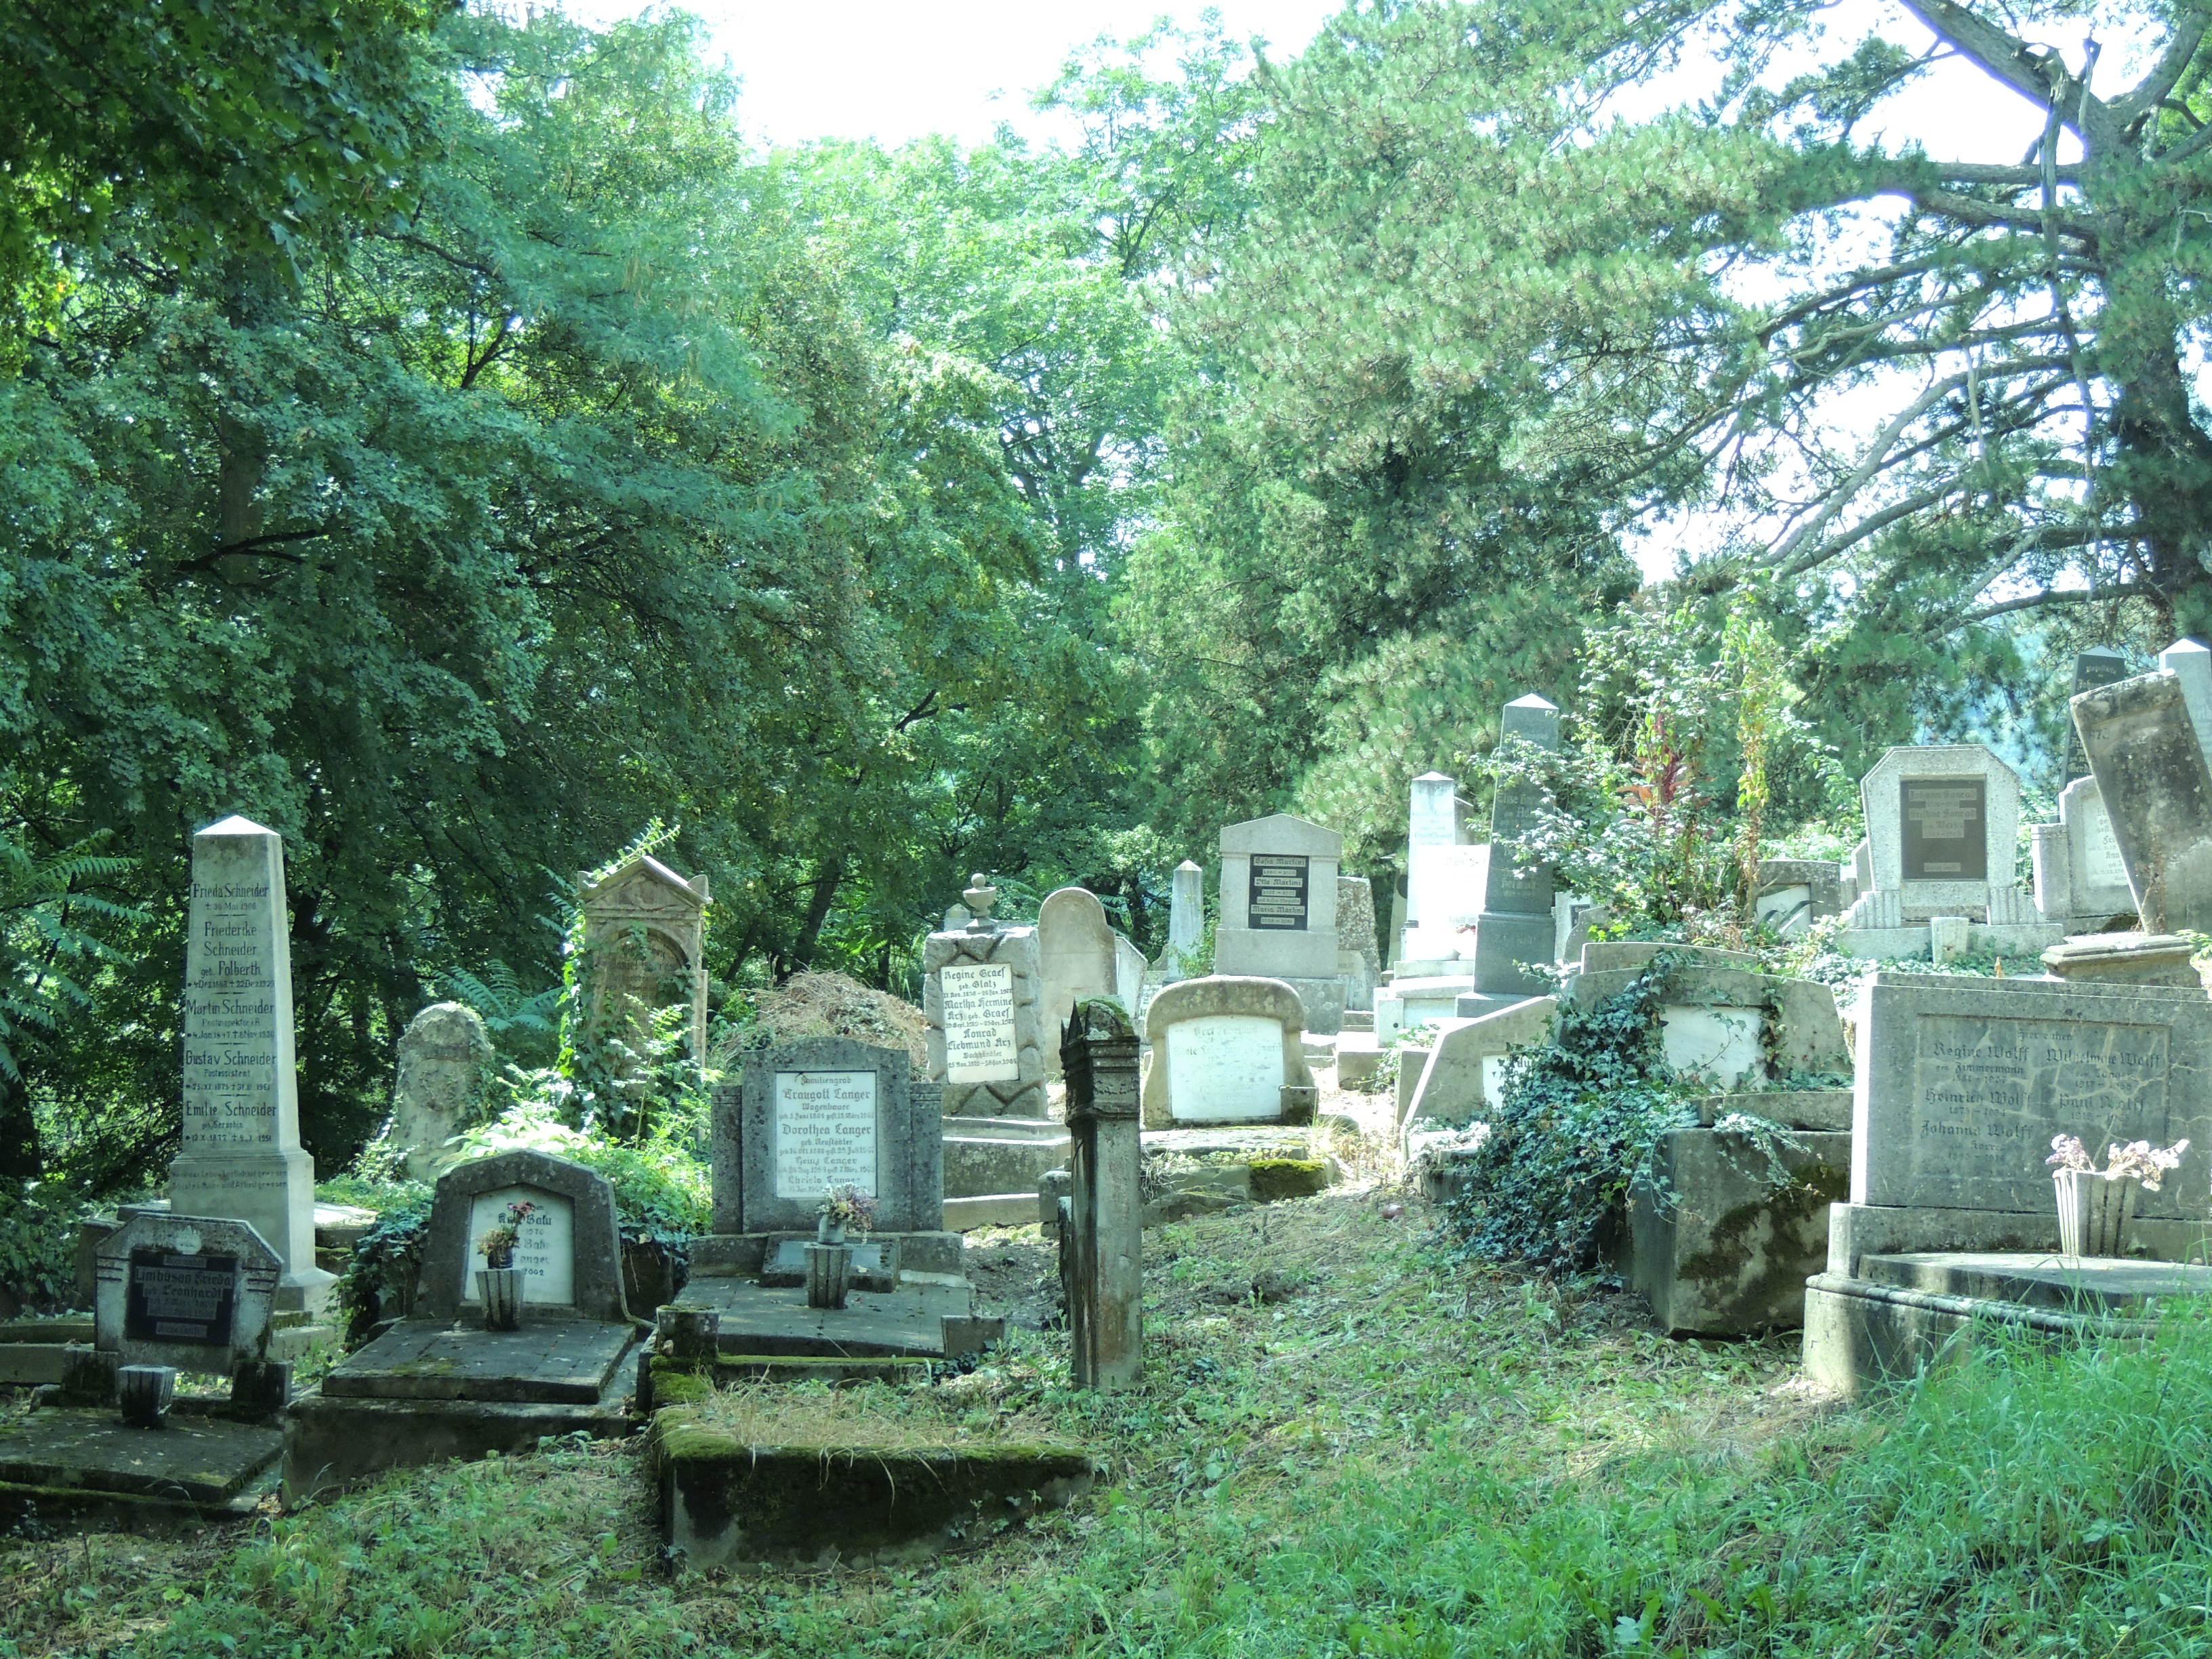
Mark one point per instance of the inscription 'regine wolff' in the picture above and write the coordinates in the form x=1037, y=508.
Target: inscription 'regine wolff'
x=1989, y=1095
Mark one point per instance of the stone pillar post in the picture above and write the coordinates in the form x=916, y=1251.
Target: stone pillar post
x=1102, y=1247
x=1517, y=925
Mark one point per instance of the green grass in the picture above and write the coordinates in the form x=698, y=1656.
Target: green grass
x=1399, y=1460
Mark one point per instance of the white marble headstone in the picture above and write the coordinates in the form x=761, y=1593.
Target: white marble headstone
x=1225, y=1068
x=980, y=1042
x=546, y=1251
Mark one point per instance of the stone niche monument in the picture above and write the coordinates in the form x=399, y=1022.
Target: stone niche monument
x=644, y=926
x=1961, y=1082
x=241, y=1157
x=2081, y=880
x=1517, y=925
x=1279, y=912
x=1942, y=841
x=1226, y=1050
x=444, y=1070
x=1076, y=954
x=819, y=1113
x=983, y=996
x=439, y=1384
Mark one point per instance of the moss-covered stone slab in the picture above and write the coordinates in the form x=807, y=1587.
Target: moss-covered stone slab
x=555, y=1358
x=726, y=1501
x=769, y=1320
x=333, y=1443
x=201, y=1463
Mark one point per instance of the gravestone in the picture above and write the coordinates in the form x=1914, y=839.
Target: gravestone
x=983, y=997
x=1358, y=963
x=1278, y=911
x=1101, y=1237
x=1226, y=1048
x=1445, y=878
x=1942, y=840
x=644, y=937
x=2190, y=661
x=2081, y=880
x=1465, y=1074
x=2100, y=665
x=1516, y=927
x=445, y=1073
x=1962, y=1081
x=1185, y=924
x=1130, y=972
x=196, y=1292
x=2152, y=774
x=241, y=1156
x=1795, y=893
x=1076, y=955
x=439, y=1384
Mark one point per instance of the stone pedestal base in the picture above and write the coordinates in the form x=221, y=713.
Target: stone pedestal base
x=989, y=1156
x=745, y=1255
x=2125, y=959
x=274, y=1193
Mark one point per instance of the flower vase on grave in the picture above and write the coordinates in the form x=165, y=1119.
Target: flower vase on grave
x=502, y=1290
x=829, y=1231
x=828, y=1274
x=2094, y=1209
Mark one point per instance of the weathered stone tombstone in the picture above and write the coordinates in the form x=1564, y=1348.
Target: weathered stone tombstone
x=1278, y=911
x=2081, y=880
x=2152, y=774
x=644, y=930
x=1445, y=877
x=1961, y=1084
x=439, y=1382
x=1102, y=1237
x=1226, y=1048
x=1185, y=924
x=1515, y=929
x=1795, y=893
x=197, y=1293
x=241, y=1156
x=1131, y=970
x=1942, y=834
x=1358, y=961
x=1076, y=955
x=1465, y=1074
x=445, y=1070
x=983, y=996
x=2190, y=661
x=2100, y=665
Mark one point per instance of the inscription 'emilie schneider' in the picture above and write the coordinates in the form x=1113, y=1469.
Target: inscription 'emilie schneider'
x=230, y=1015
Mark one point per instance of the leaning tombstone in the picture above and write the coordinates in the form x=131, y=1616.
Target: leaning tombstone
x=1279, y=912
x=241, y=1155
x=1102, y=1241
x=443, y=1078
x=2152, y=774
x=1226, y=1050
x=447, y=1381
x=175, y=1296
x=1952, y=1225
x=983, y=997
x=644, y=944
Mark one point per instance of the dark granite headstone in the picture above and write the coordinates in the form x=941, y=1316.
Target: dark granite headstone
x=1943, y=824
x=2099, y=665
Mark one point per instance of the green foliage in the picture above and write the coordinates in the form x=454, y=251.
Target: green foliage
x=1572, y=1132
x=38, y=1244
x=381, y=1277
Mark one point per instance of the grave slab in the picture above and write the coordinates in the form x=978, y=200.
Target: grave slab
x=555, y=1357
x=775, y=1320
x=199, y=1463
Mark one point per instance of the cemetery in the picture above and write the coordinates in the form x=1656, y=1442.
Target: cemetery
x=1380, y=833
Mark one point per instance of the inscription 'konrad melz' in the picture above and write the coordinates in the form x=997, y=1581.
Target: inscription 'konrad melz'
x=1990, y=1094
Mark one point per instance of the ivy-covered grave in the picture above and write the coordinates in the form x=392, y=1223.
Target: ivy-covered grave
x=1687, y=1120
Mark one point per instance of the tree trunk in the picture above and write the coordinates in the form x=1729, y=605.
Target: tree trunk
x=21, y=1157
x=826, y=882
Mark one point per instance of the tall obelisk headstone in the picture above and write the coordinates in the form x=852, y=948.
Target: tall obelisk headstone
x=1186, y=923
x=241, y=1158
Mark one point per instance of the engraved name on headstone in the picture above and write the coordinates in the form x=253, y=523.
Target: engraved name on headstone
x=545, y=1251
x=824, y=1132
x=981, y=1044
x=174, y=1297
x=1226, y=1068
x=1278, y=895
x=1943, y=822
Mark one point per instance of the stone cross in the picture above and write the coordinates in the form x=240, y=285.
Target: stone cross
x=2152, y=777
x=1102, y=1240
x=240, y=1157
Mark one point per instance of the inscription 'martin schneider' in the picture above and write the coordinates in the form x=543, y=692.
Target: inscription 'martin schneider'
x=231, y=1011
x=1990, y=1093
x=1279, y=895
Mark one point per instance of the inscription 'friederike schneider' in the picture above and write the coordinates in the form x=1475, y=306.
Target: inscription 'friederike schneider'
x=1990, y=1094
x=231, y=1012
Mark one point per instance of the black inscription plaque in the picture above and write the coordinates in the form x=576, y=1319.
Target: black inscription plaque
x=180, y=1299
x=1945, y=829
x=1278, y=890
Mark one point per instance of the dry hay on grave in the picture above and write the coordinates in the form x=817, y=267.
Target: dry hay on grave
x=821, y=1005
